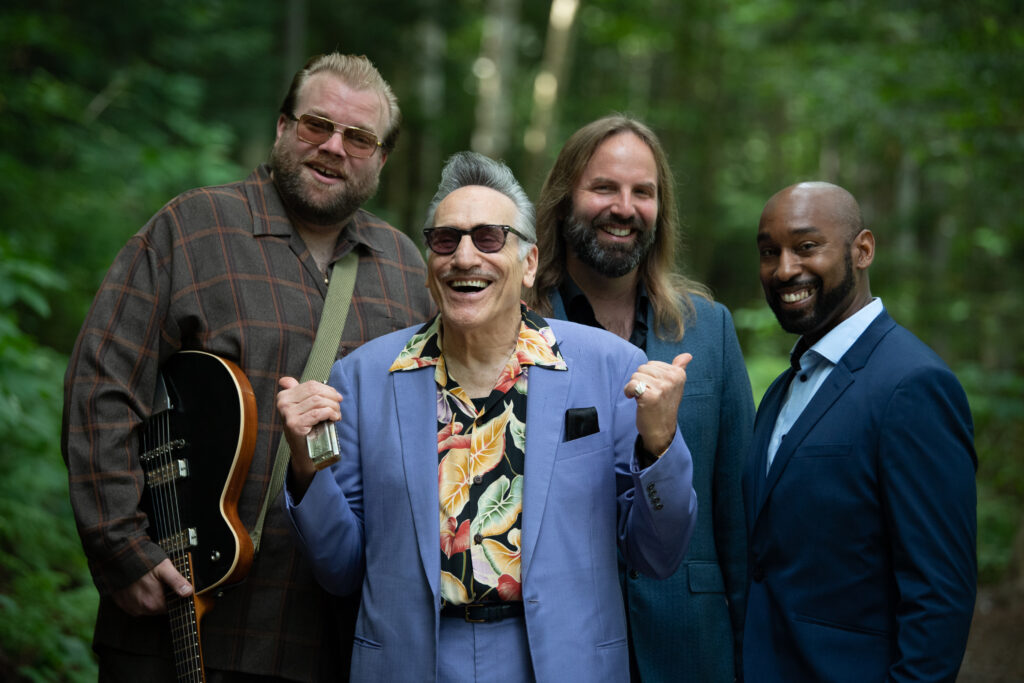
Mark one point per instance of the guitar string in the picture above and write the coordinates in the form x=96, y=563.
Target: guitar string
x=166, y=505
x=186, y=607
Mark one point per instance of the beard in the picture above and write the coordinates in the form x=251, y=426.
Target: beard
x=344, y=198
x=610, y=260
x=825, y=306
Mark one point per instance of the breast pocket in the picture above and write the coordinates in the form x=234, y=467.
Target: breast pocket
x=584, y=445
x=825, y=450
x=698, y=387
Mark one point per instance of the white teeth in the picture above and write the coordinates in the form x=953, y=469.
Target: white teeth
x=618, y=232
x=324, y=171
x=794, y=297
x=469, y=283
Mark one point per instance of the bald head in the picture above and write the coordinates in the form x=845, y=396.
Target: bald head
x=824, y=199
x=814, y=257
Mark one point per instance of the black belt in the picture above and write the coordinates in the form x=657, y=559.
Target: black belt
x=483, y=613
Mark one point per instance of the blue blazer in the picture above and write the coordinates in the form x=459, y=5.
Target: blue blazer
x=688, y=628
x=862, y=535
x=372, y=521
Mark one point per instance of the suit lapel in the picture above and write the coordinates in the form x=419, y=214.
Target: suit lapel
x=415, y=398
x=547, y=396
x=833, y=387
x=767, y=414
x=838, y=381
x=660, y=349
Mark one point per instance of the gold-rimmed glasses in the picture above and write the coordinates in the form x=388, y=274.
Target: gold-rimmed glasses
x=316, y=130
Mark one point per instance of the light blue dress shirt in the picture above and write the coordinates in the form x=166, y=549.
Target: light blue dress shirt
x=815, y=366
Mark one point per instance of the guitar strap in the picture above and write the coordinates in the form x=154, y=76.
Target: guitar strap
x=318, y=365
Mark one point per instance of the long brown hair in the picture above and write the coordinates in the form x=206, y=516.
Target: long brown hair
x=666, y=289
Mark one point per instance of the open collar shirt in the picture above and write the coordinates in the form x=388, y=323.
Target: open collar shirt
x=481, y=455
x=813, y=366
x=579, y=310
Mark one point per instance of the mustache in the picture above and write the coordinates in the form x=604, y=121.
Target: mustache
x=465, y=273
x=633, y=223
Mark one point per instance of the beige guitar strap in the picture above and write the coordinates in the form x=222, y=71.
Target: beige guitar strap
x=318, y=366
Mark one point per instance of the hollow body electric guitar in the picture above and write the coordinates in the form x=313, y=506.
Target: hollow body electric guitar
x=196, y=450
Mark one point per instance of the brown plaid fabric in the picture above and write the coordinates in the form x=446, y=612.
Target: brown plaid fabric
x=220, y=269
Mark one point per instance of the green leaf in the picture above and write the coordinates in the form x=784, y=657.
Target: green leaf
x=498, y=507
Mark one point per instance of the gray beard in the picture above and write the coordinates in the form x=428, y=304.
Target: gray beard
x=608, y=260
x=342, y=204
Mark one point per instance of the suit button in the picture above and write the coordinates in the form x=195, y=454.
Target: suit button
x=758, y=574
x=478, y=479
x=634, y=574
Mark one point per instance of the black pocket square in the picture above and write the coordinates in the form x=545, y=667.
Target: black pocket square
x=580, y=422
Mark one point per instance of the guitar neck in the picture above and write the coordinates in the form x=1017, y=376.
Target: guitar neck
x=185, y=614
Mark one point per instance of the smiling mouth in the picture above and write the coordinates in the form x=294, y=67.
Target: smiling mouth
x=796, y=297
x=326, y=172
x=617, y=230
x=468, y=286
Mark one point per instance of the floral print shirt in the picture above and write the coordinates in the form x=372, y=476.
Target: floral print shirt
x=480, y=450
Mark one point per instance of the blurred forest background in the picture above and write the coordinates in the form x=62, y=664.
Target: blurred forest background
x=108, y=109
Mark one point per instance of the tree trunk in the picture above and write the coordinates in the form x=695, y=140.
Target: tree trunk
x=494, y=69
x=546, y=85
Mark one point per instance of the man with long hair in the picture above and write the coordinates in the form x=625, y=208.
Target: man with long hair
x=607, y=230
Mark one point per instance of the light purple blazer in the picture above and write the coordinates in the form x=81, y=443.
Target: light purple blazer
x=371, y=521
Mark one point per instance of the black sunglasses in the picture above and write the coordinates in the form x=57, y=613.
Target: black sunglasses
x=445, y=240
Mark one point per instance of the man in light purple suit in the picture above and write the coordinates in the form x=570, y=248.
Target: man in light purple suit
x=492, y=462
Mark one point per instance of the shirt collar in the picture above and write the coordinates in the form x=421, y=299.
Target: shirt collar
x=361, y=230
x=838, y=341
x=535, y=345
x=262, y=192
x=579, y=310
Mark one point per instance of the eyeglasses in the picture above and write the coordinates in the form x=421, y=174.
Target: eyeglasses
x=486, y=238
x=316, y=130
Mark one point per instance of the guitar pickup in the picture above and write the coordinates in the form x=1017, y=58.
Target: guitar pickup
x=161, y=450
x=167, y=473
x=188, y=538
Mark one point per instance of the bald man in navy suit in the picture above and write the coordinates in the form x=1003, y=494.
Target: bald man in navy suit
x=860, y=490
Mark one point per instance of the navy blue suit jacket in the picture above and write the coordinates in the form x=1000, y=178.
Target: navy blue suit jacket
x=862, y=535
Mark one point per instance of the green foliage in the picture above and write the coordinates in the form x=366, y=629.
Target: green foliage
x=997, y=403
x=47, y=600
x=109, y=109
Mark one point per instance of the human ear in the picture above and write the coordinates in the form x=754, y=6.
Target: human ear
x=864, y=249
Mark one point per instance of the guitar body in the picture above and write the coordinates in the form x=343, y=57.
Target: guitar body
x=195, y=451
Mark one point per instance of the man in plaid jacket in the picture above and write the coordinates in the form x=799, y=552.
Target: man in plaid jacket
x=240, y=271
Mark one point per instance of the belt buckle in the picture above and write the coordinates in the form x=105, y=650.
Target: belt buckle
x=470, y=620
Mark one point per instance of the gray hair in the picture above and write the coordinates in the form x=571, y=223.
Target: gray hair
x=464, y=169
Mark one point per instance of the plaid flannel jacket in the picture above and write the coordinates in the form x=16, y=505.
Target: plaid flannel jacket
x=219, y=269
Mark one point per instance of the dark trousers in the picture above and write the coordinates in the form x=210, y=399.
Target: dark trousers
x=118, y=666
